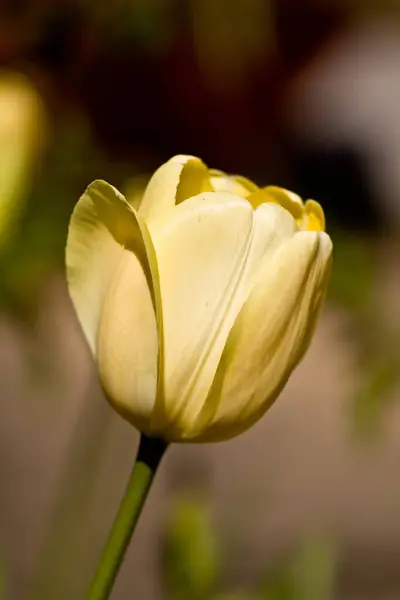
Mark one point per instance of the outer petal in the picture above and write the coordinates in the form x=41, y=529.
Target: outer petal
x=128, y=343
x=101, y=225
x=269, y=337
x=178, y=179
x=110, y=274
x=209, y=250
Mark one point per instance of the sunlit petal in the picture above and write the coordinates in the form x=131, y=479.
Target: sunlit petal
x=107, y=239
x=175, y=181
x=207, y=270
x=289, y=200
x=236, y=184
x=270, y=335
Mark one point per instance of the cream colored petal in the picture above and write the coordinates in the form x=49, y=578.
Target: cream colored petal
x=128, y=343
x=112, y=280
x=175, y=181
x=101, y=227
x=260, y=197
x=236, y=184
x=289, y=200
x=269, y=337
x=94, y=251
x=208, y=253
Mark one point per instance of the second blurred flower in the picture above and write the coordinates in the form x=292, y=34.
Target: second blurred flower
x=22, y=129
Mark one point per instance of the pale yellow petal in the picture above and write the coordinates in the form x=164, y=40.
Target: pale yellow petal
x=102, y=226
x=236, y=184
x=249, y=185
x=112, y=281
x=269, y=337
x=314, y=218
x=289, y=200
x=175, y=181
x=94, y=251
x=259, y=197
x=209, y=252
x=128, y=343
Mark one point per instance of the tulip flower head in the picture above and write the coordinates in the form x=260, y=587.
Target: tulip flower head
x=197, y=305
x=22, y=131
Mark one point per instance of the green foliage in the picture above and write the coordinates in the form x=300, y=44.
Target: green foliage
x=191, y=553
x=352, y=279
x=192, y=563
x=378, y=381
x=353, y=287
x=309, y=577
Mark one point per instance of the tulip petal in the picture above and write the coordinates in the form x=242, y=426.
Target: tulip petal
x=269, y=337
x=112, y=280
x=94, y=251
x=314, y=218
x=128, y=343
x=175, y=181
x=289, y=200
x=209, y=250
x=236, y=184
x=249, y=185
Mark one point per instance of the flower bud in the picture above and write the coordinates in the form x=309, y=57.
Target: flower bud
x=198, y=305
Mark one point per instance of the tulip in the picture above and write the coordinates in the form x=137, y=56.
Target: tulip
x=197, y=305
x=22, y=132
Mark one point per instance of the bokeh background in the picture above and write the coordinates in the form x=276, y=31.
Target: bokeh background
x=298, y=93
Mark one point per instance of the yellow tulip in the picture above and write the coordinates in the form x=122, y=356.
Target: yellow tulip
x=22, y=133
x=198, y=305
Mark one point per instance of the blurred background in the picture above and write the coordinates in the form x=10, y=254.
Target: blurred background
x=298, y=93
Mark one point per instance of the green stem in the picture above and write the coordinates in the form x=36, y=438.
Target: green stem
x=148, y=458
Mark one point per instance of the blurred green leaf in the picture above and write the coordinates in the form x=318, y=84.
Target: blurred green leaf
x=309, y=577
x=279, y=586
x=232, y=596
x=380, y=375
x=314, y=571
x=353, y=272
x=191, y=556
